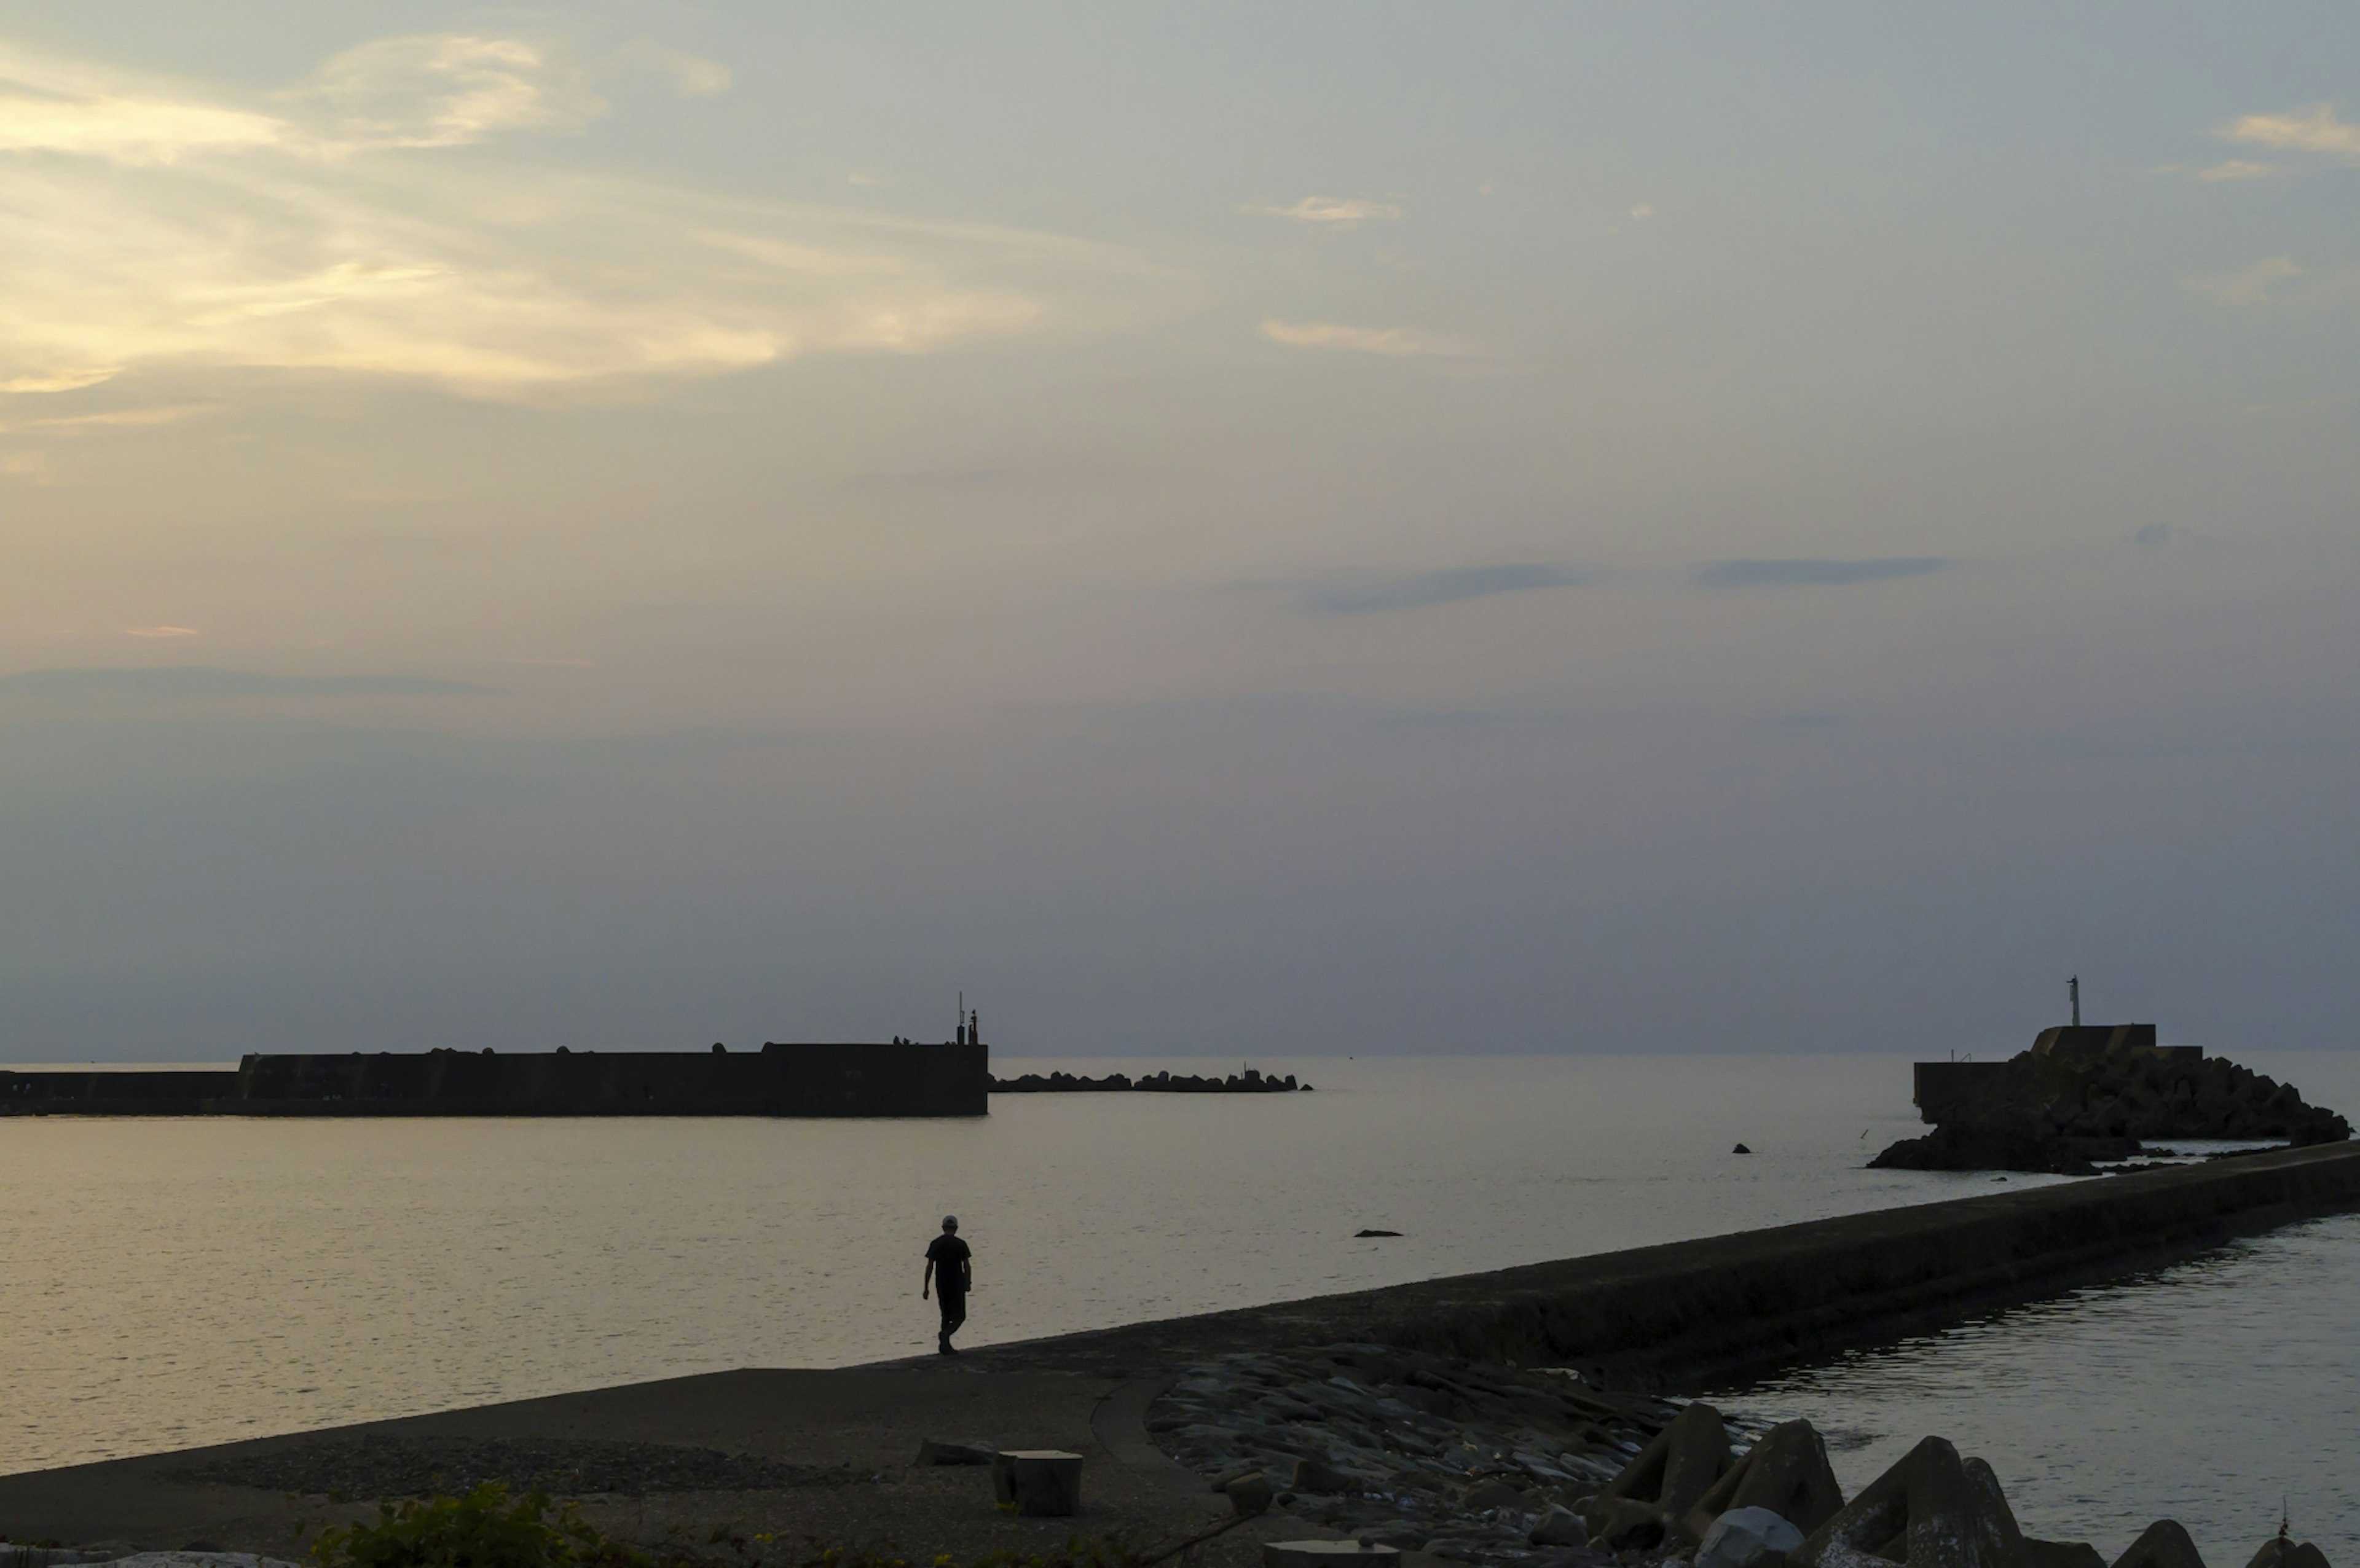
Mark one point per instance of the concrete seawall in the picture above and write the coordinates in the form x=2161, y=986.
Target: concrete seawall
x=855, y=1079
x=1689, y=1315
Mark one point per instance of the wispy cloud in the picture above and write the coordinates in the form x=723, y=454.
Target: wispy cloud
x=2314, y=129
x=1334, y=210
x=690, y=73
x=1366, y=594
x=199, y=683
x=2251, y=285
x=446, y=90
x=1814, y=573
x=159, y=631
x=162, y=414
x=1402, y=340
x=327, y=229
x=2235, y=168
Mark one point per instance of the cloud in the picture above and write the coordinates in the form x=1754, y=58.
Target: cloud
x=447, y=90
x=341, y=237
x=2314, y=129
x=1335, y=210
x=2235, y=168
x=1813, y=572
x=1364, y=595
x=198, y=683
x=2152, y=534
x=1643, y=212
x=1399, y=341
x=165, y=414
x=2252, y=285
x=159, y=631
x=692, y=74
x=54, y=106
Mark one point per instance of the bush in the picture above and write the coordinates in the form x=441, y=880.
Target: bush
x=483, y=1529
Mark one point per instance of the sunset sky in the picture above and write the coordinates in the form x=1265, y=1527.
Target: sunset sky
x=1249, y=531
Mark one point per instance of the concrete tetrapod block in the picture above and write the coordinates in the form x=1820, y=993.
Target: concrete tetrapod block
x=1043, y=1483
x=2163, y=1544
x=2061, y=1554
x=1647, y=1502
x=1324, y=1553
x=1931, y=1510
x=1786, y=1472
x=2278, y=1551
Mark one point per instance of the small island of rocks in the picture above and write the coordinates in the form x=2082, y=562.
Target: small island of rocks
x=2090, y=1093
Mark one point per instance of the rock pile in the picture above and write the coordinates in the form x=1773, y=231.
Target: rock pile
x=1476, y=1463
x=1250, y=1081
x=2060, y=1110
x=1491, y=1464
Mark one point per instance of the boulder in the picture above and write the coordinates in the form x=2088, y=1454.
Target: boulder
x=1318, y=1475
x=1326, y=1553
x=1251, y=1494
x=1560, y=1525
x=951, y=1451
x=1932, y=1509
x=1747, y=1537
x=1493, y=1494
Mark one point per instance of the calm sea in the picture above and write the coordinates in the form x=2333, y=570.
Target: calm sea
x=166, y=1283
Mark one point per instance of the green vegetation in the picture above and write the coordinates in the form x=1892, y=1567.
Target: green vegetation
x=482, y=1528
x=488, y=1529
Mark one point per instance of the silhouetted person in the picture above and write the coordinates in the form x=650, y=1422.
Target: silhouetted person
x=974, y=1029
x=950, y=1269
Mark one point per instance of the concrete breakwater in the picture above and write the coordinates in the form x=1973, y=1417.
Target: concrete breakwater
x=822, y=1080
x=1689, y=1315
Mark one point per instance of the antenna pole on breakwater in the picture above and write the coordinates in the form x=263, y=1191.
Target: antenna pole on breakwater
x=2073, y=990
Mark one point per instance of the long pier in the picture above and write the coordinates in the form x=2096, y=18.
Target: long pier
x=1691, y=1315
x=821, y=1080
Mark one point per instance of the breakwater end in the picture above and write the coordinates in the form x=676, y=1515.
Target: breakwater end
x=897, y=1079
x=2087, y=1092
x=1685, y=1316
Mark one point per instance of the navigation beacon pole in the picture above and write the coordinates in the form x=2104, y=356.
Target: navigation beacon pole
x=2073, y=990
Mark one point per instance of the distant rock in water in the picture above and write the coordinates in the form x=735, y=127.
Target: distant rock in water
x=1359, y=1234
x=1251, y=1081
x=2086, y=1095
x=1741, y=1148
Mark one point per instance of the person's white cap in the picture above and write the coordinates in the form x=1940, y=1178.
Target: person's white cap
x=950, y=1222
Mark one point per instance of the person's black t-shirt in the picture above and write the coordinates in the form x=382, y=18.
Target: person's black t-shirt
x=949, y=1254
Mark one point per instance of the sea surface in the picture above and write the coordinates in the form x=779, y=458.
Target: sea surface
x=166, y=1283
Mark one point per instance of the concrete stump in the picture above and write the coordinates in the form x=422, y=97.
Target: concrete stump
x=1325, y=1554
x=1043, y=1483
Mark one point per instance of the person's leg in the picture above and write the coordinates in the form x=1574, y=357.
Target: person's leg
x=954, y=1314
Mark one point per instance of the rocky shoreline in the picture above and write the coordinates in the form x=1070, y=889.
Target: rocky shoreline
x=1530, y=1468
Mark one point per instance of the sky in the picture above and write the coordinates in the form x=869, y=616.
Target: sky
x=1240, y=531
